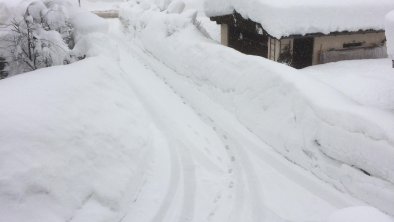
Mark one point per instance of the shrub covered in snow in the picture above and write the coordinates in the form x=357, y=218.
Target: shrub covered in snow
x=40, y=37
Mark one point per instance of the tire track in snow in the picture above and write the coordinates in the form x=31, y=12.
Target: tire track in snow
x=244, y=178
x=245, y=148
x=185, y=167
x=259, y=149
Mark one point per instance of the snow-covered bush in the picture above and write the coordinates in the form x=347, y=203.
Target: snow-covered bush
x=41, y=37
x=390, y=34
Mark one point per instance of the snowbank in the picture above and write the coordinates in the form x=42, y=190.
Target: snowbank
x=367, y=82
x=86, y=22
x=307, y=16
x=390, y=33
x=345, y=144
x=74, y=139
x=359, y=214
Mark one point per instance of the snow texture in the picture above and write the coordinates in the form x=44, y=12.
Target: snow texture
x=390, y=34
x=72, y=138
x=366, y=82
x=359, y=214
x=307, y=16
x=344, y=143
x=105, y=139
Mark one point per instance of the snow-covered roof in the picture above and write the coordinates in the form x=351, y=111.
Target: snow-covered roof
x=282, y=18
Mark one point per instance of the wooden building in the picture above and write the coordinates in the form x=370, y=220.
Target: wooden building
x=299, y=50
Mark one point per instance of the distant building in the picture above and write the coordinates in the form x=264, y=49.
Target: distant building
x=305, y=32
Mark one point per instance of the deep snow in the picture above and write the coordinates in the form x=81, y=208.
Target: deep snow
x=366, y=82
x=150, y=127
x=308, y=122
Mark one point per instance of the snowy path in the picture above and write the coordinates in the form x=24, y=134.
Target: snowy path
x=206, y=165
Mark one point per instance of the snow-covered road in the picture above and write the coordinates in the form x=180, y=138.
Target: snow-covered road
x=159, y=122
x=206, y=165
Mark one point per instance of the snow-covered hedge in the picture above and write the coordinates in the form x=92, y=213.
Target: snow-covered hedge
x=345, y=144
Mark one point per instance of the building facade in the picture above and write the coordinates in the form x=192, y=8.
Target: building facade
x=300, y=51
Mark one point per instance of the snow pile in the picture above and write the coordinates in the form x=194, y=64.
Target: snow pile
x=307, y=16
x=345, y=144
x=390, y=33
x=74, y=139
x=71, y=141
x=85, y=22
x=367, y=82
x=359, y=214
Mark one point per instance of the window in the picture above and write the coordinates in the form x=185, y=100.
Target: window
x=352, y=44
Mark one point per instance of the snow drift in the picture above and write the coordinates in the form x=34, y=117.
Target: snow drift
x=343, y=143
x=73, y=138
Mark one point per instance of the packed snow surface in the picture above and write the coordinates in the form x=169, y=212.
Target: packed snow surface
x=282, y=18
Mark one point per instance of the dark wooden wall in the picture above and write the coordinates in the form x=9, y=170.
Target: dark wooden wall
x=245, y=35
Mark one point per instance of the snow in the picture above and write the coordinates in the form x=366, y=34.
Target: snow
x=74, y=136
x=359, y=214
x=73, y=141
x=307, y=16
x=85, y=23
x=162, y=123
x=390, y=33
x=305, y=120
x=176, y=7
x=366, y=82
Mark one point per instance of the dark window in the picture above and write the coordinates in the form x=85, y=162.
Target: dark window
x=248, y=42
x=352, y=45
x=302, y=52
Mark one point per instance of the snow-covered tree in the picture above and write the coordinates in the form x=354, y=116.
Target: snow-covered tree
x=41, y=37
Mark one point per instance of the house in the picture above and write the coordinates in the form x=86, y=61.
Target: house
x=304, y=32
